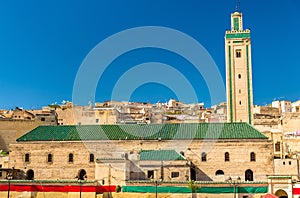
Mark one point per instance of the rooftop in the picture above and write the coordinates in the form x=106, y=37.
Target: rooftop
x=158, y=155
x=144, y=132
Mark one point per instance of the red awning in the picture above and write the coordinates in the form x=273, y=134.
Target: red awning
x=269, y=196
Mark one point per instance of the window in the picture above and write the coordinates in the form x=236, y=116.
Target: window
x=182, y=153
x=174, y=174
x=227, y=157
x=150, y=174
x=239, y=76
x=249, y=175
x=252, y=157
x=27, y=157
x=240, y=91
x=238, y=53
x=219, y=172
x=203, y=157
x=92, y=157
x=50, y=158
x=0, y=171
x=97, y=120
x=283, y=162
x=240, y=102
x=42, y=119
x=277, y=146
x=71, y=157
x=290, y=163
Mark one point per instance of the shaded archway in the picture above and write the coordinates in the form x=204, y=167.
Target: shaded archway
x=281, y=194
x=248, y=175
x=30, y=174
x=219, y=172
x=81, y=174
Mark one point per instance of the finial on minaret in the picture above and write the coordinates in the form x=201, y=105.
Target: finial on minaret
x=237, y=6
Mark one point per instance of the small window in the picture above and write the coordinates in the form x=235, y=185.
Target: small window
x=283, y=162
x=43, y=119
x=227, y=157
x=92, y=157
x=203, y=157
x=219, y=172
x=71, y=158
x=50, y=158
x=182, y=153
x=290, y=163
x=238, y=53
x=239, y=76
x=252, y=157
x=277, y=146
x=240, y=91
x=0, y=171
x=150, y=174
x=27, y=157
x=97, y=120
x=174, y=174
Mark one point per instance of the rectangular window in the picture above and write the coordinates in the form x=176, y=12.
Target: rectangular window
x=174, y=174
x=227, y=159
x=27, y=157
x=150, y=174
x=238, y=53
x=92, y=157
x=277, y=146
x=71, y=158
x=49, y=158
x=203, y=157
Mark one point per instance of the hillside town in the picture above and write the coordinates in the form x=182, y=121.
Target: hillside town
x=172, y=149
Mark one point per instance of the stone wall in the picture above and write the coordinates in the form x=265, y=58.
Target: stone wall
x=60, y=168
x=10, y=130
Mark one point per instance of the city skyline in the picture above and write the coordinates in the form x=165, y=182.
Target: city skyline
x=44, y=44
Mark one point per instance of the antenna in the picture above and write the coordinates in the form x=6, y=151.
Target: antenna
x=237, y=6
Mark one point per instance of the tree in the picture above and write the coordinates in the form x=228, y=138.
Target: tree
x=193, y=188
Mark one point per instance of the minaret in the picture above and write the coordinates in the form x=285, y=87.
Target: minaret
x=238, y=71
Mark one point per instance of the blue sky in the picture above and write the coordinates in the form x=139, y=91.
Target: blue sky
x=43, y=43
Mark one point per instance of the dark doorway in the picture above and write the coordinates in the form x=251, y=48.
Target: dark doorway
x=193, y=174
x=150, y=174
x=249, y=175
x=82, y=174
x=30, y=174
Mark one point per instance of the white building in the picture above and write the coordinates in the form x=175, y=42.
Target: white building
x=284, y=106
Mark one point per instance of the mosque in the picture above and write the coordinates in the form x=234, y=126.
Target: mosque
x=223, y=158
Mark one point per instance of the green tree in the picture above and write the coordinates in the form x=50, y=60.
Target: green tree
x=193, y=188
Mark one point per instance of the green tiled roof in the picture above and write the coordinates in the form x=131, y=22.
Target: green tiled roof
x=159, y=155
x=144, y=132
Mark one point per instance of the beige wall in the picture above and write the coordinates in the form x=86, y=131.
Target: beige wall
x=286, y=167
x=10, y=130
x=62, y=169
x=291, y=122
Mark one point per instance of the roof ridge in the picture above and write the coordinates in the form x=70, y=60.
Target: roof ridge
x=145, y=132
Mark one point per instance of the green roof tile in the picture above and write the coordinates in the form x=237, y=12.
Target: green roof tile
x=159, y=155
x=144, y=131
